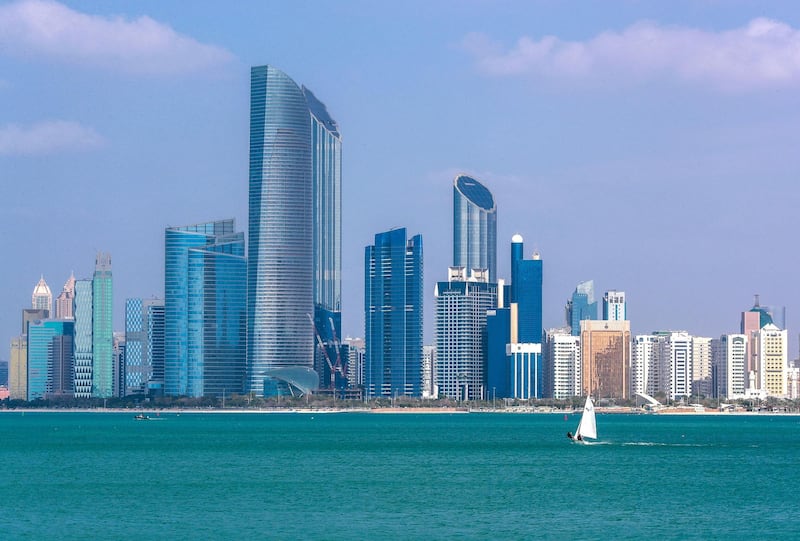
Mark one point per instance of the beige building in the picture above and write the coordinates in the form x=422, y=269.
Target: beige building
x=18, y=369
x=605, y=358
x=701, y=366
x=773, y=361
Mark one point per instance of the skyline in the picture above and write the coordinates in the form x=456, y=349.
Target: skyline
x=559, y=144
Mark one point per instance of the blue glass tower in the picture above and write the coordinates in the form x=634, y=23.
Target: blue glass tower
x=46, y=355
x=155, y=347
x=474, y=226
x=294, y=250
x=139, y=344
x=204, y=310
x=526, y=291
x=581, y=306
x=136, y=362
x=498, y=336
x=326, y=176
x=393, y=315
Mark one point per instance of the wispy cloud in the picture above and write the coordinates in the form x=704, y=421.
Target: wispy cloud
x=141, y=46
x=48, y=137
x=763, y=54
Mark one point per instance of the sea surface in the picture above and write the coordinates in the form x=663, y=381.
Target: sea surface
x=397, y=476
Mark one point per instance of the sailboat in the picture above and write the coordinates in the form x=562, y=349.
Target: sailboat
x=587, y=427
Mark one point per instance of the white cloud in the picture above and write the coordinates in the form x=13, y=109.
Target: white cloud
x=47, y=28
x=763, y=54
x=47, y=137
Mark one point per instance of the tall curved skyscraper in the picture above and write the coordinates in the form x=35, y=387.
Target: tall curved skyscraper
x=294, y=242
x=474, y=226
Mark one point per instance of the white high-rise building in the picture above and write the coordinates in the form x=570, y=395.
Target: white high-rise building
x=428, y=371
x=460, y=323
x=42, y=298
x=564, y=363
x=355, y=361
x=614, y=308
x=730, y=359
x=644, y=370
x=673, y=362
x=677, y=350
x=793, y=383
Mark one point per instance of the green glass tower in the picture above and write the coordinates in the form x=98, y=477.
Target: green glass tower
x=102, y=328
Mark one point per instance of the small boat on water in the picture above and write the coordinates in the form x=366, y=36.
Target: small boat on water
x=587, y=427
x=142, y=417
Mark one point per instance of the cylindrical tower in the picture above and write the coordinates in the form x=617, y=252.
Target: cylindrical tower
x=474, y=226
x=280, y=242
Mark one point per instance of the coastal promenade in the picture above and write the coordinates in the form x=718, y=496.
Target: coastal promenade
x=153, y=412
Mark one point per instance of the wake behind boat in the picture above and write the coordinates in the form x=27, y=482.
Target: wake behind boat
x=587, y=427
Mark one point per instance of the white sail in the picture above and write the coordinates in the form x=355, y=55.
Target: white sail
x=587, y=428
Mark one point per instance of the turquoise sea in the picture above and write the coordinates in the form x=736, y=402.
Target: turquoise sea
x=390, y=476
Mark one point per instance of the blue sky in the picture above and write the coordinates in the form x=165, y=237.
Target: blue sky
x=650, y=146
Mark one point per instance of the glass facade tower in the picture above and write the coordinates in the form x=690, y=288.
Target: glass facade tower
x=204, y=310
x=326, y=175
x=393, y=315
x=526, y=291
x=581, y=306
x=142, y=318
x=46, y=355
x=474, y=226
x=82, y=342
x=294, y=250
x=102, y=328
x=462, y=305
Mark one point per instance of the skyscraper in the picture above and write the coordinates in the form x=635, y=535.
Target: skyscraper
x=474, y=226
x=141, y=318
x=47, y=356
x=462, y=303
x=773, y=361
x=82, y=341
x=393, y=274
x=645, y=374
x=65, y=299
x=605, y=358
x=563, y=352
x=156, y=344
x=18, y=368
x=326, y=176
x=102, y=328
x=730, y=366
x=498, y=336
x=294, y=251
x=614, y=308
x=526, y=292
x=581, y=306
x=204, y=309
x=42, y=298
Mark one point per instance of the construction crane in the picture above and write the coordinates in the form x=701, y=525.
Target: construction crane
x=324, y=349
x=339, y=365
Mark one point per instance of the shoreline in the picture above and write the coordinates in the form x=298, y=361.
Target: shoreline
x=155, y=413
